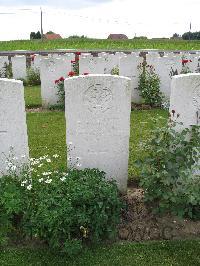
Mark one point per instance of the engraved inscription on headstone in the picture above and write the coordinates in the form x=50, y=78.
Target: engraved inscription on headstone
x=97, y=98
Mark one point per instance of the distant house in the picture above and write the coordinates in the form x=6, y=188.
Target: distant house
x=52, y=36
x=117, y=37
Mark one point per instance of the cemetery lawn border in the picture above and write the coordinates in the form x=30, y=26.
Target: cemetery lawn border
x=122, y=253
x=32, y=95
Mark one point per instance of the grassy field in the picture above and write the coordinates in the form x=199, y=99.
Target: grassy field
x=33, y=97
x=129, y=254
x=99, y=44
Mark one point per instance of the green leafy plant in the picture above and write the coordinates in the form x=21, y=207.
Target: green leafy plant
x=149, y=85
x=66, y=210
x=33, y=77
x=167, y=172
x=75, y=65
x=115, y=71
x=6, y=71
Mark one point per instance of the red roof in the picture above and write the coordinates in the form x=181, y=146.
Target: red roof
x=117, y=37
x=52, y=36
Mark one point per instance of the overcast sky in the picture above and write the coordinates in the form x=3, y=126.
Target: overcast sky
x=94, y=18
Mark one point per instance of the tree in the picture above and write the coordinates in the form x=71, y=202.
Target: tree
x=176, y=36
x=38, y=35
x=34, y=35
x=191, y=35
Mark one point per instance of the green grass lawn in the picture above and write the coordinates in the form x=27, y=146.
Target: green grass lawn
x=171, y=253
x=99, y=44
x=33, y=97
x=46, y=133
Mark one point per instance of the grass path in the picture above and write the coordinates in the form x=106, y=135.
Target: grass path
x=169, y=253
x=33, y=97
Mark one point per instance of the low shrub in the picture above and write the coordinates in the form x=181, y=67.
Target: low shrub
x=33, y=77
x=149, y=86
x=167, y=172
x=6, y=71
x=65, y=210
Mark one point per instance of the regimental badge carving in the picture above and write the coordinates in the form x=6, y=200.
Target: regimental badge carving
x=196, y=97
x=98, y=98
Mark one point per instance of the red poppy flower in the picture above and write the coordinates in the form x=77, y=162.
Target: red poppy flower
x=33, y=57
x=185, y=61
x=78, y=53
x=73, y=61
x=56, y=81
x=71, y=74
x=61, y=79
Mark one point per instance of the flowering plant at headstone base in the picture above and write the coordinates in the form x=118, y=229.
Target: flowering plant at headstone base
x=185, y=66
x=59, y=83
x=33, y=57
x=66, y=209
x=75, y=63
x=173, y=72
x=149, y=85
x=61, y=90
x=168, y=171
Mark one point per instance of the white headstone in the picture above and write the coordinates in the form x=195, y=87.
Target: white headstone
x=68, y=58
x=128, y=67
x=185, y=99
x=98, y=124
x=111, y=62
x=19, y=66
x=35, y=61
x=51, y=69
x=166, y=68
x=13, y=128
x=185, y=102
x=91, y=65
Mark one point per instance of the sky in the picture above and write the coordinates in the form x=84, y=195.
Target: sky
x=97, y=19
